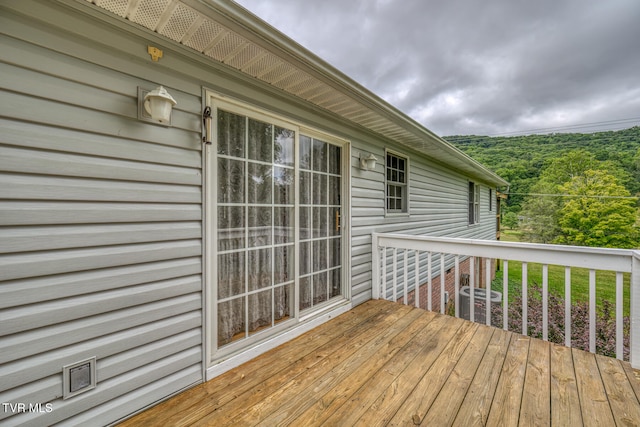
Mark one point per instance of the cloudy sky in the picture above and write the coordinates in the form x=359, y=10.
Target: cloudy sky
x=485, y=67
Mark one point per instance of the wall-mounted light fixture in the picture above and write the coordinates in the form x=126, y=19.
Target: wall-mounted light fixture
x=155, y=106
x=367, y=161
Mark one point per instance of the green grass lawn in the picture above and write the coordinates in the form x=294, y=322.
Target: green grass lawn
x=510, y=236
x=605, y=283
x=605, y=280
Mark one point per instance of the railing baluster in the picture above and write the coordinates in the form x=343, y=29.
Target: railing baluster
x=472, y=283
x=385, y=250
x=619, y=317
x=383, y=274
x=406, y=278
x=416, y=292
x=395, y=273
x=442, y=282
x=487, y=264
x=525, y=300
x=505, y=295
x=634, y=350
x=567, y=306
x=375, y=267
x=429, y=281
x=456, y=296
x=545, y=302
x=592, y=311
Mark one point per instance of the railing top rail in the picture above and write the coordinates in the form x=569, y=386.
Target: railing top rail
x=571, y=256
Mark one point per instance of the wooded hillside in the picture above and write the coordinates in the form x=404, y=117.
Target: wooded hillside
x=522, y=159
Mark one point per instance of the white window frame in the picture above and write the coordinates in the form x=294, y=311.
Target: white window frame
x=404, y=211
x=491, y=201
x=473, y=203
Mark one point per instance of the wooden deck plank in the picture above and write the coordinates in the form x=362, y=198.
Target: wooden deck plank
x=447, y=403
x=254, y=406
x=387, y=364
x=535, y=409
x=474, y=409
x=416, y=335
x=293, y=357
x=505, y=408
x=427, y=388
x=633, y=376
x=385, y=347
x=565, y=402
x=596, y=410
x=189, y=406
x=384, y=408
x=619, y=391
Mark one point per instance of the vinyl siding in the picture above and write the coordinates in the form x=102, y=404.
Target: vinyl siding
x=438, y=206
x=101, y=214
x=100, y=228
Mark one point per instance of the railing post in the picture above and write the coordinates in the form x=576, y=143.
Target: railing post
x=456, y=295
x=525, y=299
x=619, y=316
x=592, y=311
x=505, y=295
x=634, y=356
x=375, y=267
x=487, y=286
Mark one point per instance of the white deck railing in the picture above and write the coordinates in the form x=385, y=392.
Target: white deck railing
x=402, y=264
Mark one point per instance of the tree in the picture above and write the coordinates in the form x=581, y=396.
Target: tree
x=599, y=212
x=523, y=160
x=569, y=165
x=510, y=220
x=540, y=213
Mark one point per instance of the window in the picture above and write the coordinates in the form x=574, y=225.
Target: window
x=397, y=189
x=490, y=200
x=474, y=203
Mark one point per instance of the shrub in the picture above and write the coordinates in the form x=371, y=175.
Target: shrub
x=605, y=321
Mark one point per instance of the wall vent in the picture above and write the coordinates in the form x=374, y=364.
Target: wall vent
x=78, y=377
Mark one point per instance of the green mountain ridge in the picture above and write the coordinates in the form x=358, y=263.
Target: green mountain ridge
x=521, y=159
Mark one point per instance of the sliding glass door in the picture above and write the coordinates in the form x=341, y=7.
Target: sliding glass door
x=320, y=222
x=277, y=225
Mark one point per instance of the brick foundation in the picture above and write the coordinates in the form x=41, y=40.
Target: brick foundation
x=449, y=285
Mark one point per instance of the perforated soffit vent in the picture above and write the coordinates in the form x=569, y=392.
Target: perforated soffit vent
x=184, y=24
x=191, y=28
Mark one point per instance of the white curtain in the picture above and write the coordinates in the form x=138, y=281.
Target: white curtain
x=255, y=218
x=255, y=210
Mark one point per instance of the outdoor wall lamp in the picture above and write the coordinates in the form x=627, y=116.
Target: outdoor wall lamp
x=158, y=104
x=367, y=161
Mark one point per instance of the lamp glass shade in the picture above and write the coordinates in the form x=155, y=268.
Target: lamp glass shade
x=158, y=103
x=371, y=163
x=368, y=161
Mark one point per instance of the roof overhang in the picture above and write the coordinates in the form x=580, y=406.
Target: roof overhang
x=227, y=33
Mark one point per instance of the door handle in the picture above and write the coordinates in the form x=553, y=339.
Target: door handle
x=337, y=222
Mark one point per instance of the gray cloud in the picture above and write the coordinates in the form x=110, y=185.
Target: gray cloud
x=483, y=67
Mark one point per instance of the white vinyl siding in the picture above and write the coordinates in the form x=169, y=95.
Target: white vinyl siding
x=438, y=206
x=101, y=226
x=101, y=249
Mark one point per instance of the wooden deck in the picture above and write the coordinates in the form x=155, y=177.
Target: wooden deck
x=388, y=364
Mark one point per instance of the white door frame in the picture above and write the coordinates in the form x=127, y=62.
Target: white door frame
x=298, y=324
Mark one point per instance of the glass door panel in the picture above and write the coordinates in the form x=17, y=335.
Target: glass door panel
x=271, y=225
x=255, y=212
x=319, y=218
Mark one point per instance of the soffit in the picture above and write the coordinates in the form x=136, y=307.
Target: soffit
x=227, y=33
